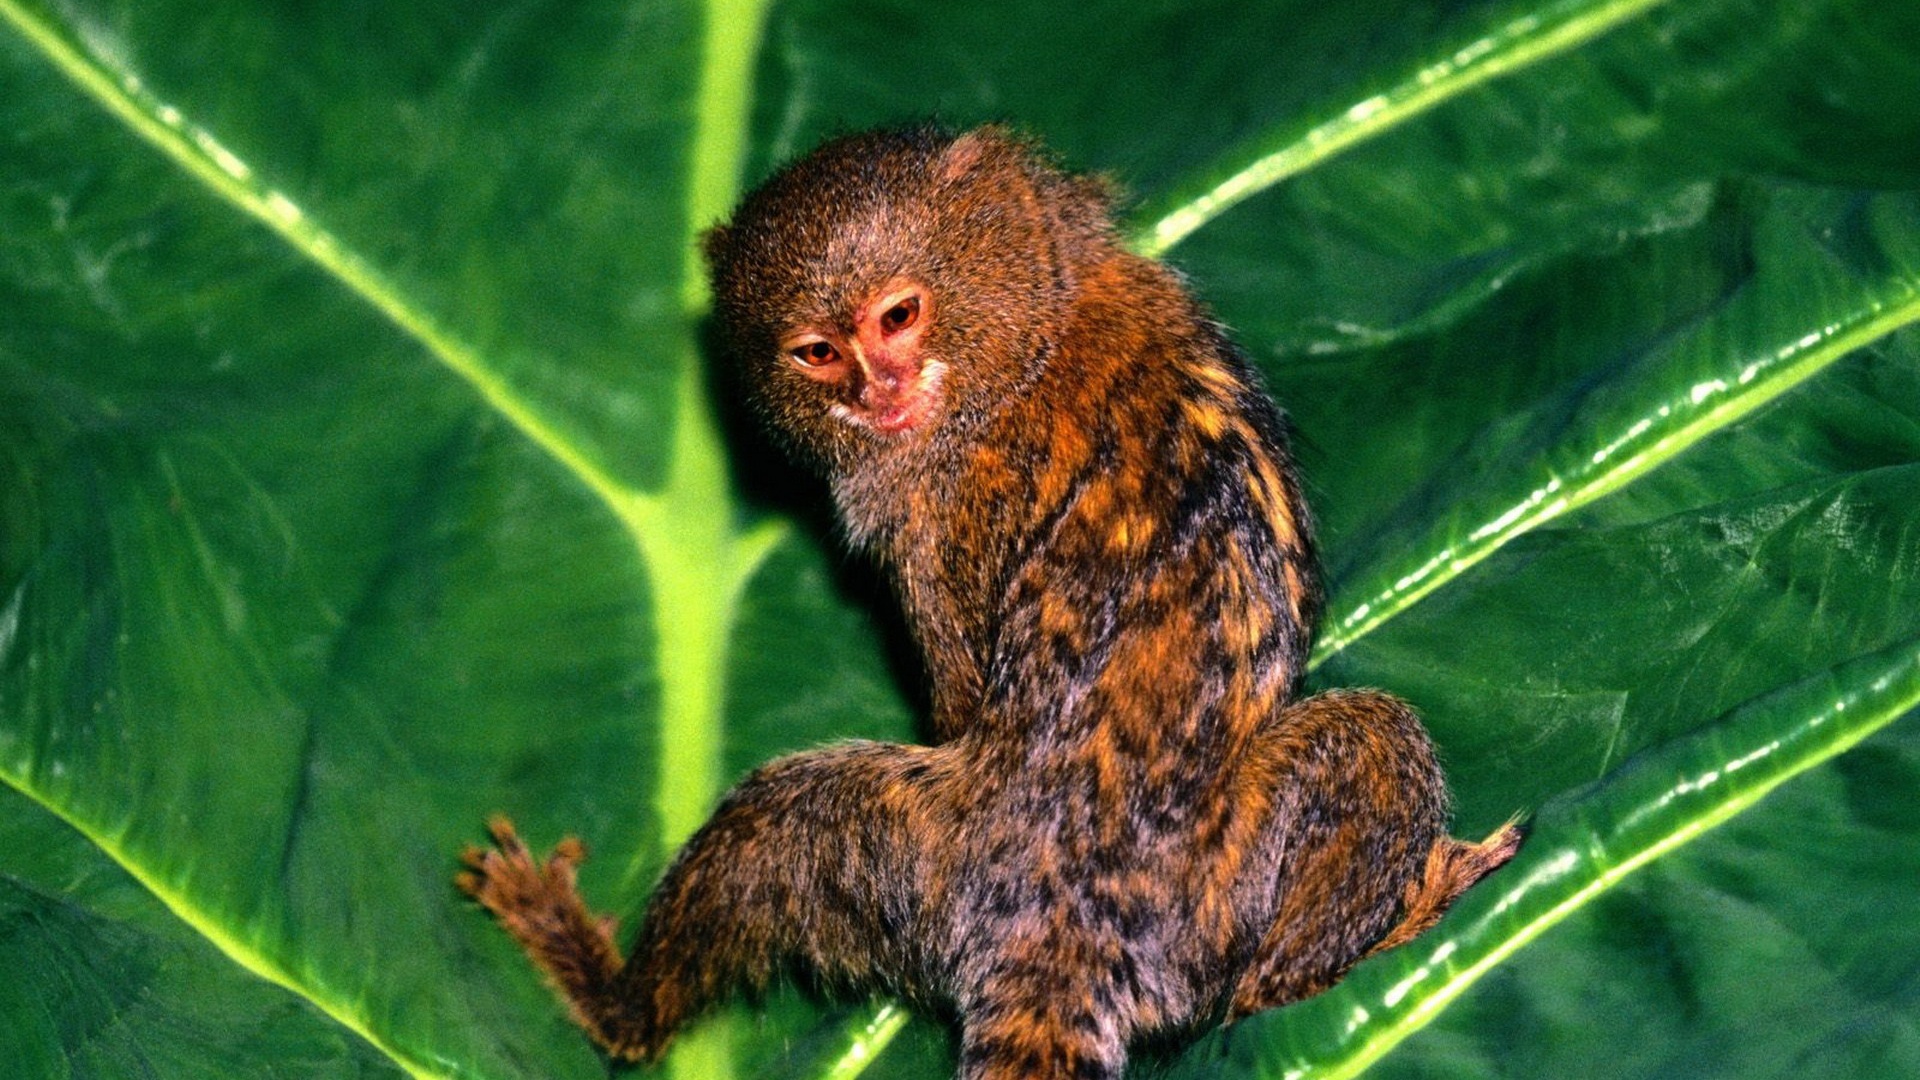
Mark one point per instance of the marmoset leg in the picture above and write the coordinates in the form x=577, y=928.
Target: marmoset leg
x=1360, y=856
x=816, y=857
x=1044, y=1017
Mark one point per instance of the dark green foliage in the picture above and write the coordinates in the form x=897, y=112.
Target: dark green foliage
x=357, y=481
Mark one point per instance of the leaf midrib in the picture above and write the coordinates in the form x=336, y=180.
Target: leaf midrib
x=1519, y=41
x=1691, y=774
x=1663, y=435
x=715, y=164
x=654, y=520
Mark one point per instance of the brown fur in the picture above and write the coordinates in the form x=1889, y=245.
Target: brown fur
x=1129, y=821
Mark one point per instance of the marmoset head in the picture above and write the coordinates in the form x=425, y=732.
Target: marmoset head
x=891, y=281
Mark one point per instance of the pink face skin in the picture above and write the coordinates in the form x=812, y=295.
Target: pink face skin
x=880, y=377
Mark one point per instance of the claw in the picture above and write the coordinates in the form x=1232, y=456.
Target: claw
x=504, y=835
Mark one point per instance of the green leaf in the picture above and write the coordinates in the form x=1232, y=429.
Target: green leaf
x=359, y=478
x=102, y=980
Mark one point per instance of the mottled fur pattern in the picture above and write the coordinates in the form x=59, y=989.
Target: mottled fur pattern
x=1129, y=822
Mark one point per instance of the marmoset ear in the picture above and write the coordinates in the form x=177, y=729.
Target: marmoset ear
x=714, y=244
x=966, y=152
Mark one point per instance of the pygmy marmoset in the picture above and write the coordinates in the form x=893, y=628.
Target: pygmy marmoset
x=1128, y=820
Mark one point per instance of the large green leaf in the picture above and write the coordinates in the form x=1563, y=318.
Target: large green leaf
x=358, y=479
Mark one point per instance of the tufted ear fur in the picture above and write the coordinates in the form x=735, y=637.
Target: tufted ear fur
x=1081, y=203
x=714, y=244
x=966, y=152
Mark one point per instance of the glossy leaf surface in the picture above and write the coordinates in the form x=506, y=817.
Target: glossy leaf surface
x=358, y=479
